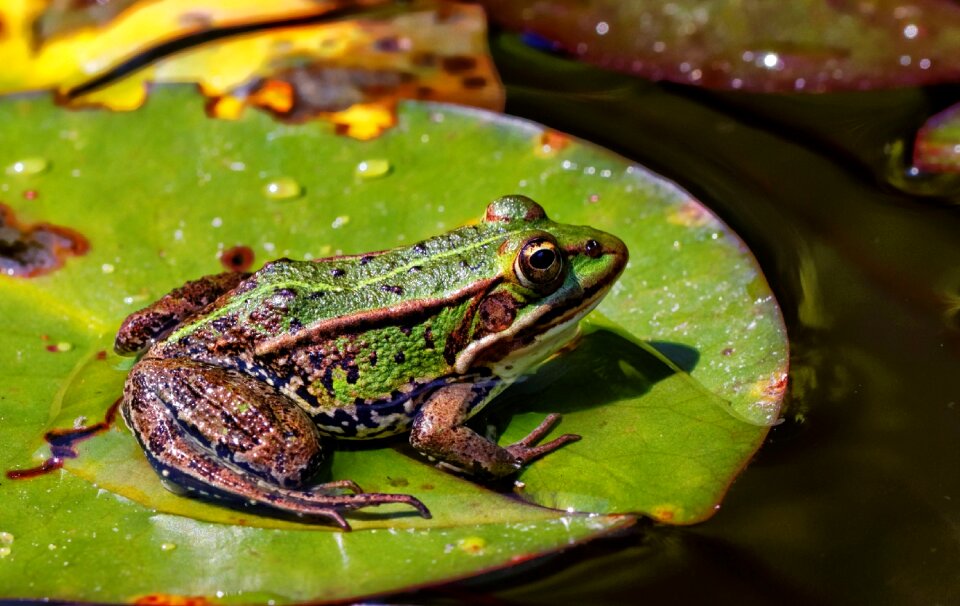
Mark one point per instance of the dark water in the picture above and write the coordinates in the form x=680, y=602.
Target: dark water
x=855, y=499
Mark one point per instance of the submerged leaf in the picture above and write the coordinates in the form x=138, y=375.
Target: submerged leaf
x=815, y=45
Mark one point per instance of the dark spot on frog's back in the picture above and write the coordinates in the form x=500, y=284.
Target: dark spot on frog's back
x=474, y=82
x=397, y=290
x=458, y=63
x=428, y=338
x=32, y=250
x=373, y=358
x=336, y=272
x=420, y=248
x=365, y=259
x=399, y=357
x=388, y=44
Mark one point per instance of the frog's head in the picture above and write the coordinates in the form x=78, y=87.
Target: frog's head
x=551, y=275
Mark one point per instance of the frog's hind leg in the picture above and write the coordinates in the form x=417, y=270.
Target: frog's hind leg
x=217, y=433
x=150, y=324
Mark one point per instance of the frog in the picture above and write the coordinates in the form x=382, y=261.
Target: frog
x=243, y=378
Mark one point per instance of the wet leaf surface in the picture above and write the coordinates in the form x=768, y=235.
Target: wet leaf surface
x=162, y=203
x=762, y=46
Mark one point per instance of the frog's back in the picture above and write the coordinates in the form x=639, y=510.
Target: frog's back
x=288, y=301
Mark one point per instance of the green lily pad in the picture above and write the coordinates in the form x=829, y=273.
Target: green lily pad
x=672, y=388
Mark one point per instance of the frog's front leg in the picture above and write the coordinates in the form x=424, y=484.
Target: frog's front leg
x=439, y=431
x=219, y=433
x=143, y=328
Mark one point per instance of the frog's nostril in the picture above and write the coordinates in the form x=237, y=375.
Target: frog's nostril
x=593, y=249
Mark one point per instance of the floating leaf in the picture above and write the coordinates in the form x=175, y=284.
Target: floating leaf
x=814, y=45
x=161, y=205
x=350, y=71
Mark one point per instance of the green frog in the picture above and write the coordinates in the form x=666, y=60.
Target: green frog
x=242, y=376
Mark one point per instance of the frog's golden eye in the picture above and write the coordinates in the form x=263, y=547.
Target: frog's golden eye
x=539, y=263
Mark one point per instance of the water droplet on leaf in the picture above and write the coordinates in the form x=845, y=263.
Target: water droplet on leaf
x=372, y=169
x=28, y=166
x=282, y=188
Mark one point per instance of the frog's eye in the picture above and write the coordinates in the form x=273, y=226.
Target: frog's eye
x=539, y=263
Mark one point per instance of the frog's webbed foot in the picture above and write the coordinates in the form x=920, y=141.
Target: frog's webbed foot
x=439, y=431
x=219, y=434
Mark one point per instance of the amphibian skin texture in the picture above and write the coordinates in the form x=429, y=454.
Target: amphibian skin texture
x=241, y=375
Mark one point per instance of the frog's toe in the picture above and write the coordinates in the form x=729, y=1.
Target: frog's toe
x=524, y=451
x=308, y=501
x=334, y=487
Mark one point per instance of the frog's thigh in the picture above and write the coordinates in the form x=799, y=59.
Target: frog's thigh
x=439, y=431
x=152, y=323
x=211, y=422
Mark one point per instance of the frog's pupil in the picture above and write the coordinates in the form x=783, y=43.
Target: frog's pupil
x=542, y=259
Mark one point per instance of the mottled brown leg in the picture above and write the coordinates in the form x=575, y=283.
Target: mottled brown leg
x=143, y=328
x=220, y=434
x=439, y=432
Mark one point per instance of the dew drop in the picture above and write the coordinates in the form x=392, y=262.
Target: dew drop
x=168, y=546
x=107, y=268
x=282, y=188
x=340, y=221
x=63, y=346
x=28, y=166
x=372, y=169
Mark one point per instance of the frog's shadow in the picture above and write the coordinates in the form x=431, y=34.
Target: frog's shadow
x=603, y=368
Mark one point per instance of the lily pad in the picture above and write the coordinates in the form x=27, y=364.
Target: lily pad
x=808, y=46
x=672, y=388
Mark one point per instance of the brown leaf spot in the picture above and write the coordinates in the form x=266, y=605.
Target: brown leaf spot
x=238, y=258
x=27, y=251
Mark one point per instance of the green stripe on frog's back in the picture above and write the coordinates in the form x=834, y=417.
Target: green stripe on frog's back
x=333, y=294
